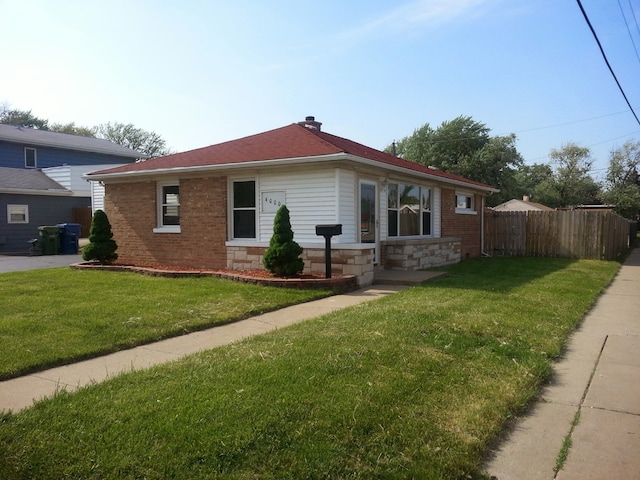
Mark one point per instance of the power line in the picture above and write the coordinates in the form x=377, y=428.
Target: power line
x=570, y=123
x=629, y=30
x=606, y=60
x=634, y=16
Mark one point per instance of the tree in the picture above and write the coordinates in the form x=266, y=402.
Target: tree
x=282, y=256
x=72, y=129
x=622, y=184
x=532, y=180
x=22, y=118
x=465, y=147
x=102, y=247
x=571, y=180
x=127, y=135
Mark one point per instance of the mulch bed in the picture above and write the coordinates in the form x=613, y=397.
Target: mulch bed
x=342, y=283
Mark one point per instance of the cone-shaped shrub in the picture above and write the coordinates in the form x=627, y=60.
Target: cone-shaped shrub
x=281, y=258
x=102, y=247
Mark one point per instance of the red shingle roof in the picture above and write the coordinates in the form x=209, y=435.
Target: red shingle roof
x=292, y=141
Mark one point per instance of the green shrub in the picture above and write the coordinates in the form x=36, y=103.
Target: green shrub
x=102, y=247
x=282, y=256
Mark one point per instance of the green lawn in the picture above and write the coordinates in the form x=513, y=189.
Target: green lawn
x=414, y=385
x=54, y=316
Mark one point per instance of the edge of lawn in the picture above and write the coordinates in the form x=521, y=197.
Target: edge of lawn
x=123, y=346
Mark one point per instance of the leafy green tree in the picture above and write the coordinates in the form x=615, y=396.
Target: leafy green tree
x=102, y=247
x=622, y=184
x=130, y=136
x=465, y=147
x=571, y=180
x=72, y=129
x=22, y=118
x=533, y=181
x=282, y=256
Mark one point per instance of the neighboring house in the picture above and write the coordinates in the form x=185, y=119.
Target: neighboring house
x=524, y=205
x=28, y=199
x=214, y=207
x=41, y=179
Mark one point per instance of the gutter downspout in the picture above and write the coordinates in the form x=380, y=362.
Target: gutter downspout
x=482, y=252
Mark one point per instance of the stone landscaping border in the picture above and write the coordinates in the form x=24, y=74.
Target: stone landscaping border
x=341, y=284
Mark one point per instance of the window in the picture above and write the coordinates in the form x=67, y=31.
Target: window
x=425, y=208
x=244, y=209
x=464, y=203
x=409, y=210
x=17, y=213
x=168, y=208
x=30, y=157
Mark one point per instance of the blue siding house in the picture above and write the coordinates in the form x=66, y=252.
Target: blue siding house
x=41, y=180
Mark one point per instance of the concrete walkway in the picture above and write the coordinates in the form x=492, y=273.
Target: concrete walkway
x=21, y=392
x=596, y=386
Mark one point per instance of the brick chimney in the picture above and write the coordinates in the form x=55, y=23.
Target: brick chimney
x=310, y=122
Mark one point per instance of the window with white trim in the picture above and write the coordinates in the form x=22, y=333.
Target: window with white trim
x=409, y=210
x=244, y=209
x=17, y=214
x=168, y=207
x=30, y=157
x=464, y=203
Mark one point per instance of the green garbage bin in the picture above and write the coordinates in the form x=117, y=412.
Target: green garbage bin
x=49, y=240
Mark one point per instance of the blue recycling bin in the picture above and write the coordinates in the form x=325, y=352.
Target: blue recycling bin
x=69, y=238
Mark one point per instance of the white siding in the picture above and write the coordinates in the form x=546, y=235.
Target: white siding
x=310, y=198
x=70, y=177
x=383, y=215
x=436, y=211
x=97, y=196
x=347, y=206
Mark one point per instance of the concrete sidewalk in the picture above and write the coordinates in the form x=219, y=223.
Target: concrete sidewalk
x=596, y=385
x=21, y=392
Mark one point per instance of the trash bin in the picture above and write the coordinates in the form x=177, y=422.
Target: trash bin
x=69, y=237
x=49, y=240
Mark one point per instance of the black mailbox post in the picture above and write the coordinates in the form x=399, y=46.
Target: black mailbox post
x=328, y=231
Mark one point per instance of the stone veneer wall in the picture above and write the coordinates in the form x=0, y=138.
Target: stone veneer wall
x=414, y=254
x=344, y=261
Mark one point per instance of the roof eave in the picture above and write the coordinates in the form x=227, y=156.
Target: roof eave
x=26, y=191
x=283, y=161
x=410, y=171
x=209, y=168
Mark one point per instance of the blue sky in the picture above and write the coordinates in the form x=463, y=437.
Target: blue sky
x=203, y=72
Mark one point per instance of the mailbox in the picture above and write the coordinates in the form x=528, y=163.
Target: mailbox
x=329, y=230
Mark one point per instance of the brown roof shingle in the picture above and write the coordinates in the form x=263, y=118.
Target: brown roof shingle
x=292, y=141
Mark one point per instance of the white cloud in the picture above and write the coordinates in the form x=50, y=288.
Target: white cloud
x=421, y=14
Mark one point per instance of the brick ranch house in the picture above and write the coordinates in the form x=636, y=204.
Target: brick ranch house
x=213, y=207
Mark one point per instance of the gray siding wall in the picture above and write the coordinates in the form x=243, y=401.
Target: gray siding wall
x=43, y=210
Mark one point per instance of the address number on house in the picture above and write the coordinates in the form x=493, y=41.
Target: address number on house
x=272, y=201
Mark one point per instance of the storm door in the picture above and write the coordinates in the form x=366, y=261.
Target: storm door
x=369, y=223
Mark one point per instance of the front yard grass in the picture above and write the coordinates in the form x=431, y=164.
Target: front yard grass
x=414, y=385
x=55, y=316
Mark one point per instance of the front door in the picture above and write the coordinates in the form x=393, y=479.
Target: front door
x=369, y=216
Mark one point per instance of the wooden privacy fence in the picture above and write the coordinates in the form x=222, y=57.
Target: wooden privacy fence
x=564, y=233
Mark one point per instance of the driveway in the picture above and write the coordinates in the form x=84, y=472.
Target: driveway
x=10, y=263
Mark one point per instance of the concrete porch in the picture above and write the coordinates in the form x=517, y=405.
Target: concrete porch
x=404, y=277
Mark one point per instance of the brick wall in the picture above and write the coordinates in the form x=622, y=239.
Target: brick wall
x=464, y=226
x=132, y=211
